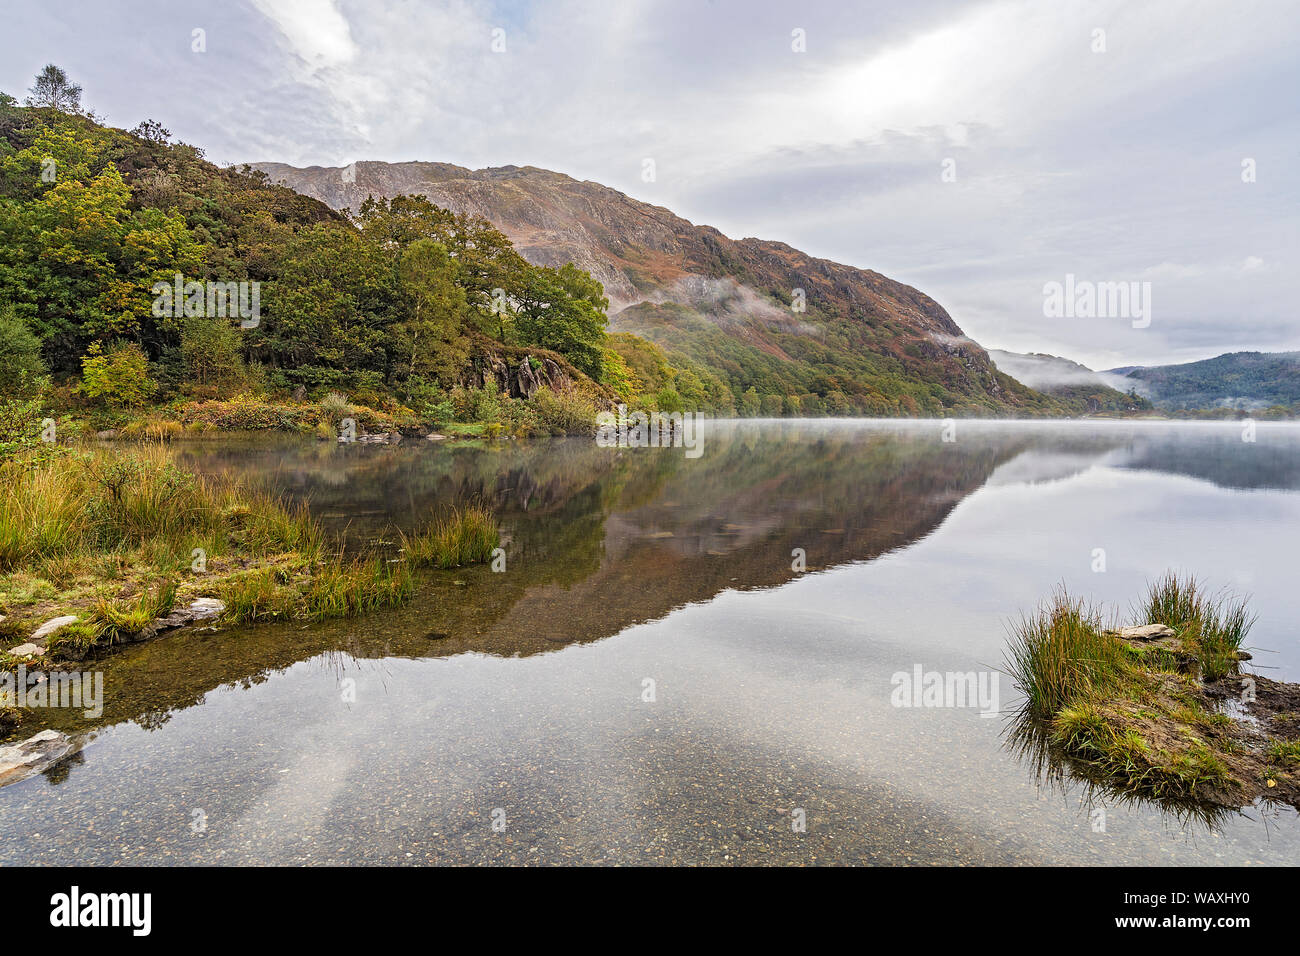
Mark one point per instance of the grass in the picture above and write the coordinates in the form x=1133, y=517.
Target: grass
x=1215, y=624
x=1060, y=655
x=1129, y=710
x=460, y=536
x=117, y=619
x=334, y=588
x=70, y=511
x=1286, y=753
x=116, y=535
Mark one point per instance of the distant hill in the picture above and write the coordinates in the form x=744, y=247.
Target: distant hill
x=787, y=333
x=1250, y=381
x=1075, y=383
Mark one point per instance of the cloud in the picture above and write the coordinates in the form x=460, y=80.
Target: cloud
x=315, y=31
x=1114, y=165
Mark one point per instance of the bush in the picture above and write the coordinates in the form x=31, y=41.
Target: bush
x=564, y=413
x=118, y=378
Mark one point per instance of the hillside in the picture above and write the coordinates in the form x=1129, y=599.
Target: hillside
x=138, y=279
x=1248, y=381
x=861, y=344
x=1070, y=381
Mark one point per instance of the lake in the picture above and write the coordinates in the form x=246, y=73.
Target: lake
x=684, y=660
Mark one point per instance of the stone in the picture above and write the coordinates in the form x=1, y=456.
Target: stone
x=526, y=384
x=27, y=650
x=1146, y=632
x=33, y=755
x=200, y=609
x=49, y=627
x=205, y=608
x=434, y=436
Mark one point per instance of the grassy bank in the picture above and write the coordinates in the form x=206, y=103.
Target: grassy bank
x=1143, y=708
x=120, y=538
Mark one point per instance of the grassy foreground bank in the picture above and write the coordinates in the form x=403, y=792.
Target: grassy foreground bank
x=120, y=538
x=1149, y=708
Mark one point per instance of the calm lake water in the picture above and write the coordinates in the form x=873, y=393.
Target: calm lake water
x=649, y=680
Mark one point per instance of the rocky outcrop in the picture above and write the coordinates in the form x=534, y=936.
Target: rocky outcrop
x=519, y=373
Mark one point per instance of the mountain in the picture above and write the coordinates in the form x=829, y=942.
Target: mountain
x=1066, y=379
x=1243, y=380
x=787, y=333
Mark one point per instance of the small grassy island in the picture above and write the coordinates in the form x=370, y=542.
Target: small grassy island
x=1160, y=709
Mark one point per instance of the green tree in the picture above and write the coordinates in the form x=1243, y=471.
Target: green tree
x=119, y=377
x=22, y=367
x=53, y=89
x=211, y=351
x=564, y=310
x=433, y=307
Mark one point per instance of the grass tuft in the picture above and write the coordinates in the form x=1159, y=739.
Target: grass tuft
x=461, y=536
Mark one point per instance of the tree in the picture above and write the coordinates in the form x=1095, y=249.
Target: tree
x=120, y=377
x=211, y=351
x=434, y=304
x=53, y=89
x=564, y=310
x=22, y=366
x=151, y=131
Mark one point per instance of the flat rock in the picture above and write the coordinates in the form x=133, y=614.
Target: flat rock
x=434, y=436
x=49, y=627
x=27, y=650
x=1147, y=632
x=36, y=753
x=201, y=609
x=204, y=608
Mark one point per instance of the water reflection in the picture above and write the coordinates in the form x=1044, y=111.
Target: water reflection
x=599, y=540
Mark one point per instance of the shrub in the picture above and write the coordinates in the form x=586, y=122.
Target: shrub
x=564, y=413
x=118, y=378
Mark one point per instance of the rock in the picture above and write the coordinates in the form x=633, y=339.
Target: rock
x=1146, y=632
x=434, y=436
x=33, y=755
x=201, y=609
x=49, y=627
x=27, y=650
x=107, y=434
x=526, y=384
x=205, y=608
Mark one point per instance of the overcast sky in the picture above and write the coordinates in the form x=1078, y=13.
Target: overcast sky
x=1115, y=164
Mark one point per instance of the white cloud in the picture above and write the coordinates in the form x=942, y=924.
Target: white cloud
x=1114, y=165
